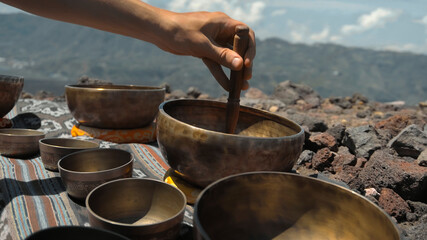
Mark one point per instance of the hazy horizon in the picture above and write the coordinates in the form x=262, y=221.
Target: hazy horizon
x=394, y=25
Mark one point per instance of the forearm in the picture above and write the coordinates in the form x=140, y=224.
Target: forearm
x=132, y=18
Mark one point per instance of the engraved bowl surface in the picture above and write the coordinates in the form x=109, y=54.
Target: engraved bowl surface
x=139, y=208
x=274, y=205
x=20, y=142
x=10, y=90
x=84, y=170
x=114, y=106
x=53, y=149
x=191, y=136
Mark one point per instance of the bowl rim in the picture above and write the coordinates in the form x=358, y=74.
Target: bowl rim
x=42, y=142
x=61, y=169
x=35, y=133
x=11, y=78
x=79, y=228
x=90, y=211
x=121, y=87
x=293, y=136
x=201, y=229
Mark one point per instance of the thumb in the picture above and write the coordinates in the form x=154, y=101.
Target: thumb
x=227, y=58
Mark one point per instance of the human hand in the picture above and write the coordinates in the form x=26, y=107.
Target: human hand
x=209, y=36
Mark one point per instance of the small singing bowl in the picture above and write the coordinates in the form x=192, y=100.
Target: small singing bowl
x=20, y=142
x=191, y=136
x=274, y=205
x=75, y=232
x=53, y=149
x=114, y=106
x=10, y=90
x=137, y=208
x=84, y=170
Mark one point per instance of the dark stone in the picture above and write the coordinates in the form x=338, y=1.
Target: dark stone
x=178, y=94
x=384, y=170
x=393, y=204
x=362, y=141
x=85, y=80
x=343, y=158
x=321, y=140
x=341, y=102
x=348, y=174
x=419, y=209
x=255, y=93
x=167, y=87
x=324, y=177
x=337, y=131
x=193, y=92
x=313, y=124
x=357, y=97
x=289, y=93
x=322, y=159
x=415, y=230
x=261, y=103
x=393, y=125
x=362, y=114
x=411, y=141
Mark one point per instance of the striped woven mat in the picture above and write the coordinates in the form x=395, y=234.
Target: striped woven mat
x=33, y=198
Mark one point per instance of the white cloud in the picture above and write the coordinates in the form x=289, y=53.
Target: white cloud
x=408, y=47
x=422, y=21
x=335, y=38
x=278, y=12
x=321, y=36
x=298, y=31
x=377, y=18
x=247, y=11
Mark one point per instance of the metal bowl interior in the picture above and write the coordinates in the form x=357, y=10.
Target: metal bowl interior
x=10, y=90
x=272, y=205
x=84, y=170
x=137, y=208
x=114, y=106
x=20, y=142
x=53, y=149
x=75, y=232
x=191, y=137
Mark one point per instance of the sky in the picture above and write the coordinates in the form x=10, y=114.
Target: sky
x=397, y=25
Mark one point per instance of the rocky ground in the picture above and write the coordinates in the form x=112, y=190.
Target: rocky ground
x=376, y=149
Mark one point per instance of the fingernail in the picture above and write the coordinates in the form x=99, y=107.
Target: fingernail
x=235, y=63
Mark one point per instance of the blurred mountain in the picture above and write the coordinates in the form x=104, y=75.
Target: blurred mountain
x=50, y=54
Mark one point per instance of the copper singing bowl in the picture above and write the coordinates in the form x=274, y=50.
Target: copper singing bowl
x=53, y=149
x=20, y=142
x=114, y=106
x=138, y=208
x=274, y=205
x=191, y=137
x=75, y=232
x=84, y=170
x=10, y=90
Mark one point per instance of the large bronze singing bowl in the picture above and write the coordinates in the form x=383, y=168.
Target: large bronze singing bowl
x=53, y=149
x=82, y=171
x=273, y=205
x=75, y=232
x=191, y=137
x=10, y=90
x=137, y=208
x=114, y=106
x=20, y=142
